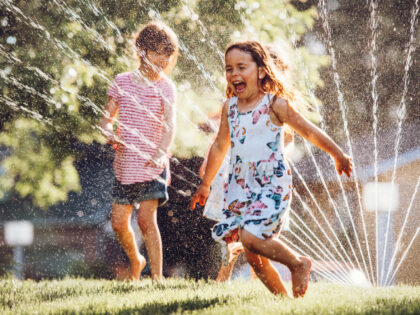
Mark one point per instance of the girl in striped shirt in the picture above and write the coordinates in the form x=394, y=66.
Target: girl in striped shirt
x=145, y=103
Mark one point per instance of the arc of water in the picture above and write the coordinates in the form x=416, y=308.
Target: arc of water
x=27, y=88
x=318, y=268
x=63, y=46
x=323, y=216
x=337, y=213
x=49, y=100
x=72, y=54
x=199, y=66
x=190, y=56
x=343, y=109
x=373, y=26
x=85, y=100
x=99, y=12
x=8, y=101
x=76, y=18
x=307, y=208
x=391, y=279
x=397, y=245
x=204, y=31
x=401, y=116
x=327, y=253
x=308, y=148
x=340, y=273
x=332, y=275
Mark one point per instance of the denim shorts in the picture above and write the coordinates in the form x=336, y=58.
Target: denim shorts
x=133, y=194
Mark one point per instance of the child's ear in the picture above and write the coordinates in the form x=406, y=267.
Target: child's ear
x=140, y=52
x=261, y=73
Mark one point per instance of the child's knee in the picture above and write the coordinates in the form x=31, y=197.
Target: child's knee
x=254, y=260
x=248, y=241
x=146, y=222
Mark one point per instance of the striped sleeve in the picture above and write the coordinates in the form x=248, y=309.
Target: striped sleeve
x=113, y=90
x=169, y=92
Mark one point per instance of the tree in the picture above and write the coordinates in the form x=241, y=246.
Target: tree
x=58, y=58
x=352, y=39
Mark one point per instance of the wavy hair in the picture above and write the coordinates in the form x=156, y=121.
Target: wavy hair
x=261, y=56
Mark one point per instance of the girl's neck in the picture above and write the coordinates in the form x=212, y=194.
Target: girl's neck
x=250, y=102
x=146, y=75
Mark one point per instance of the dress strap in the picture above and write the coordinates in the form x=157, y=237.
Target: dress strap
x=232, y=101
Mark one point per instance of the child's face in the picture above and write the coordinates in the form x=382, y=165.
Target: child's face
x=159, y=61
x=241, y=73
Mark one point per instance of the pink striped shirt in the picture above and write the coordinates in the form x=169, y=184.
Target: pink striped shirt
x=140, y=125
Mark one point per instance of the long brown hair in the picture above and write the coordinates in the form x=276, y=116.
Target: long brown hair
x=270, y=83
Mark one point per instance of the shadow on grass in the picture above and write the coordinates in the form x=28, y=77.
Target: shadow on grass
x=175, y=306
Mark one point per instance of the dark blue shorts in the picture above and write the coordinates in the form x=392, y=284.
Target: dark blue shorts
x=133, y=194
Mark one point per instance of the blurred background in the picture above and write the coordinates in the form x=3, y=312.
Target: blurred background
x=354, y=61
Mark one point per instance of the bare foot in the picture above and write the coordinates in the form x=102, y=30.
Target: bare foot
x=136, y=268
x=300, y=277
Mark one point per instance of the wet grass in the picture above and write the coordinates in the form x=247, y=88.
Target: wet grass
x=179, y=296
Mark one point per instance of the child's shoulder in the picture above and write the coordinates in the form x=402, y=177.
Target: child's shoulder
x=122, y=76
x=278, y=102
x=168, y=83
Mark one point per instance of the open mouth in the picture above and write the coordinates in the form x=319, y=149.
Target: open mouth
x=239, y=86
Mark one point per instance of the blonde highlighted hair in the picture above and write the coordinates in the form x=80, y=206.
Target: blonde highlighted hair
x=260, y=55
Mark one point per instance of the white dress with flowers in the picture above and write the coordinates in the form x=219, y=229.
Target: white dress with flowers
x=259, y=184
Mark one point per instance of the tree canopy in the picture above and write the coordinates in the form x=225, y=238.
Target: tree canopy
x=59, y=57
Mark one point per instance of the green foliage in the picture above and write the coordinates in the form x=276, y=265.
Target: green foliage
x=176, y=296
x=59, y=57
x=30, y=168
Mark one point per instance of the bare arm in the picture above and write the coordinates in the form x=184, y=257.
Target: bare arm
x=215, y=159
x=168, y=135
x=287, y=114
x=107, y=121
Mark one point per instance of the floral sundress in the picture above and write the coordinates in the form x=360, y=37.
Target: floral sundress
x=259, y=184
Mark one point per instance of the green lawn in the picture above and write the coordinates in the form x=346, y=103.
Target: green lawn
x=176, y=296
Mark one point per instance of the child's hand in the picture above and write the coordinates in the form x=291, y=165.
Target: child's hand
x=156, y=162
x=344, y=164
x=200, y=196
x=114, y=139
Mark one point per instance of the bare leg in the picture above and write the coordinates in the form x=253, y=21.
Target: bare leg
x=147, y=219
x=225, y=272
x=274, y=249
x=120, y=220
x=253, y=274
x=266, y=273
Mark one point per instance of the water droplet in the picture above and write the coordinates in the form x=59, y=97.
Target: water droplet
x=11, y=40
x=64, y=98
x=152, y=14
x=7, y=70
x=72, y=72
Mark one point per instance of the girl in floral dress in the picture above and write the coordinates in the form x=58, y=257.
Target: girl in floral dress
x=259, y=181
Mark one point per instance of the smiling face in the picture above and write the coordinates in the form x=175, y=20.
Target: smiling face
x=242, y=73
